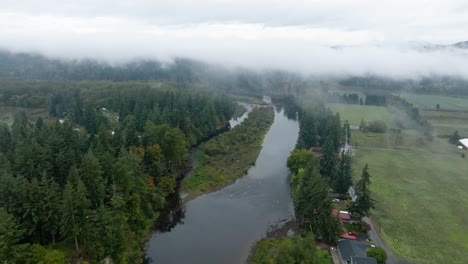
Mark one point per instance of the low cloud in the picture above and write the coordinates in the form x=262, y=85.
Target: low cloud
x=331, y=40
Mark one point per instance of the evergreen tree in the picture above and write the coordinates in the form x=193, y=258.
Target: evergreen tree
x=343, y=179
x=314, y=206
x=75, y=208
x=91, y=175
x=50, y=213
x=11, y=235
x=328, y=161
x=364, y=202
x=308, y=131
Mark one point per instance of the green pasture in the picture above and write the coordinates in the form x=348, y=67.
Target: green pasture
x=402, y=141
x=354, y=113
x=431, y=101
x=445, y=122
x=422, y=203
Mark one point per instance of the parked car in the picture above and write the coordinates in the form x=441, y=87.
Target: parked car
x=336, y=200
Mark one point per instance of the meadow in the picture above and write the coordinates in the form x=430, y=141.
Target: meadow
x=421, y=203
x=431, y=101
x=354, y=113
x=445, y=122
x=419, y=185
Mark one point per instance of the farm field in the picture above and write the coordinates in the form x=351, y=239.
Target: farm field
x=354, y=113
x=403, y=141
x=430, y=101
x=422, y=203
x=445, y=122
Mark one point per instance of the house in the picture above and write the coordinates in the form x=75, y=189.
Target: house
x=353, y=252
x=464, y=143
x=344, y=216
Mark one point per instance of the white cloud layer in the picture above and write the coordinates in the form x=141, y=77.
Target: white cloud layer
x=292, y=35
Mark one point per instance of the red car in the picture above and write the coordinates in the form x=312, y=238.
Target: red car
x=353, y=233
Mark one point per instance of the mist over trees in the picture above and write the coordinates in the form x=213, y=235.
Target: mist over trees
x=182, y=72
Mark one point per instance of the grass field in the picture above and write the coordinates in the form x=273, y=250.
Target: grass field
x=430, y=101
x=403, y=141
x=445, y=122
x=422, y=203
x=419, y=184
x=354, y=113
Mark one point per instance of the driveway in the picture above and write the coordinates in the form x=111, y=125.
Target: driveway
x=375, y=236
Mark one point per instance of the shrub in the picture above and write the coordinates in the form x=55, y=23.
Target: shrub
x=377, y=126
x=377, y=253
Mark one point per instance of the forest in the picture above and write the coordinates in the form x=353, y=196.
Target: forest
x=88, y=179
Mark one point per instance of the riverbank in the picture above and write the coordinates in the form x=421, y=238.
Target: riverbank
x=283, y=241
x=225, y=158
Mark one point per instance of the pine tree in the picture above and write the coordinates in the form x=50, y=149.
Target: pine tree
x=364, y=202
x=344, y=175
x=50, y=206
x=314, y=206
x=75, y=209
x=91, y=175
x=328, y=161
x=10, y=236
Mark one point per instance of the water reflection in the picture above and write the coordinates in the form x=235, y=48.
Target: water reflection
x=221, y=227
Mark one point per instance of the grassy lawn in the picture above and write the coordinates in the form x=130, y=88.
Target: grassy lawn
x=354, y=113
x=422, y=203
x=430, y=101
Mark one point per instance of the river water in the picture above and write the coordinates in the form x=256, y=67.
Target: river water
x=222, y=226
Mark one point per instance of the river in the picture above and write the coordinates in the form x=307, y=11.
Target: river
x=222, y=226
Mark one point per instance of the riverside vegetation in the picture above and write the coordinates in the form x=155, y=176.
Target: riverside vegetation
x=228, y=156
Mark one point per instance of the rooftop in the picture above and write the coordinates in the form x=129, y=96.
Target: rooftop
x=354, y=252
x=464, y=141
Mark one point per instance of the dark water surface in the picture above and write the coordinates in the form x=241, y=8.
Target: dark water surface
x=221, y=227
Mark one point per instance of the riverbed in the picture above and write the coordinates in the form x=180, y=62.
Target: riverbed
x=222, y=226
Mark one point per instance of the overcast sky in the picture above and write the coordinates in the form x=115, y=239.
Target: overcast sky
x=292, y=35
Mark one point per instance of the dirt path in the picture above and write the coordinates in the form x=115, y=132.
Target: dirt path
x=446, y=155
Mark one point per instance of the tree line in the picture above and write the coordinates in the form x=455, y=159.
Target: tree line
x=182, y=72
x=318, y=168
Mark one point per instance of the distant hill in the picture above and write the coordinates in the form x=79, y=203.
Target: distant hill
x=461, y=45
x=181, y=71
